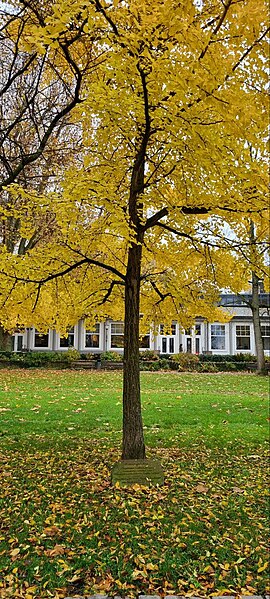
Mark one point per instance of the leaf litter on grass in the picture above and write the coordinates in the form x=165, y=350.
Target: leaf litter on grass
x=65, y=530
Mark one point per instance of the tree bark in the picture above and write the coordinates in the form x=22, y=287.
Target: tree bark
x=255, y=307
x=133, y=439
x=5, y=340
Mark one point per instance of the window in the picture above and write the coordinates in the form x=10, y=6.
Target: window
x=41, y=340
x=170, y=331
x=189, y=347
x=19, y=342
x=243, y=336
x=171, y=346
x=145, y=341
x=197, y=329
x=92, y=337
x=217, y=336
x=265, y=328
x=117, y=334
x=69, y=340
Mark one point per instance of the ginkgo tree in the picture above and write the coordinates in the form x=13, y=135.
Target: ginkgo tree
x=166, y=117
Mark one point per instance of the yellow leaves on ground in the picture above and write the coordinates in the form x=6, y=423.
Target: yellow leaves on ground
x=109, y=542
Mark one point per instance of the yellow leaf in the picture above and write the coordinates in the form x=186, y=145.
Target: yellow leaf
x=262, y=568
x=151, y=566
x=136, y=487
x=137, y=574
x=201, y=488
x=15, y=552
x=225, y=566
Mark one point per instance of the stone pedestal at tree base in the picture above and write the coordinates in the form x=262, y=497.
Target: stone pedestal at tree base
x=140, y=472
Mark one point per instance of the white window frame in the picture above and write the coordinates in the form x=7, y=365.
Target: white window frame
x=15, y=337
x=75, y=340
x=121, y=326
x=220, y=333
x=143, y=336
x=44, y=348
x=243, y=335
x=265, y=328
x=171, y=333
x=198, y=327
x=92, y=331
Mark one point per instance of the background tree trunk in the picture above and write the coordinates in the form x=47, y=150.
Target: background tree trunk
x=5, y=340
x=255, y=307
x=133, y=439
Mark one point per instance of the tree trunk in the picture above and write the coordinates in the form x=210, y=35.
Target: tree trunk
x=257, y=325
x=133, y=440
x=5, y=340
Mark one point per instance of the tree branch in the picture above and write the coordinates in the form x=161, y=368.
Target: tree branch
x=175, y=231
x=69, y=269
x=100, y=8
x=153, y=220
x=159, y=293
x=109, y=291
x=219, y=24
x=12, y=78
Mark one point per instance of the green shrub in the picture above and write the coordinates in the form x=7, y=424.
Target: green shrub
x=149, y=355
x=111, y=356
x=185, y=361
x=208, y=367
x=231, y=366
x=71, y=355
x=4, y=358
x=215, y=358
x=34, y=359
x=5, y=355
x=173, y=365
x=152, y=365
x=91, y=356
x=244, y=358
x=164, y=364
x=239, y=358
x=144, y=366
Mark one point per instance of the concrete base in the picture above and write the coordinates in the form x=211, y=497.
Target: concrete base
x=140, y=472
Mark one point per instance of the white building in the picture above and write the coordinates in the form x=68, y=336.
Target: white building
x=235, y=336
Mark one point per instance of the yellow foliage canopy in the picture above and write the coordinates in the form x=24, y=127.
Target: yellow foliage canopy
x=170, y=117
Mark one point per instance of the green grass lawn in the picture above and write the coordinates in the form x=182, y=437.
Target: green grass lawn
x=64, y=530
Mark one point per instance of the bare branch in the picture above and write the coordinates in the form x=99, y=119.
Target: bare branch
x=159, y=293
x=69, y=269
x=154, y=220
x=109, y=291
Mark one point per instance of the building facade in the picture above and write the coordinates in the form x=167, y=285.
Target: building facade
x=235, y=336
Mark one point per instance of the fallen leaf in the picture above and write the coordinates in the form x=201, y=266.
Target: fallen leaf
x=201, y=488
x=15, y=552
x=57, y=550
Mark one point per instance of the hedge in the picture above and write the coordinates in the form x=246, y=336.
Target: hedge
x=148, y=360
